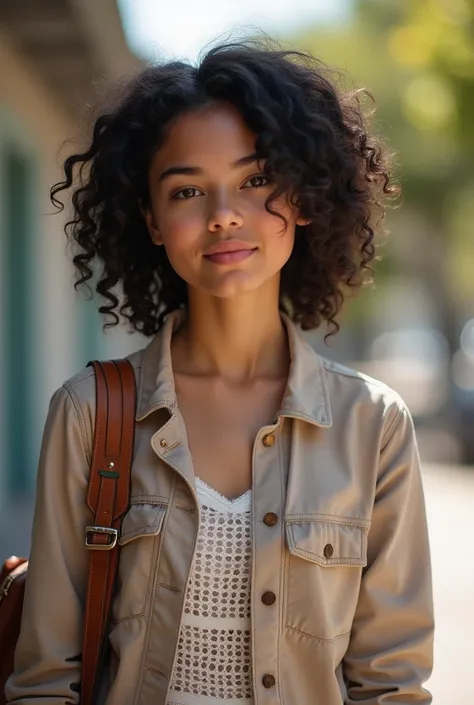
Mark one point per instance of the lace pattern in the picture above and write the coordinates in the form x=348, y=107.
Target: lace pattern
x=213, y=660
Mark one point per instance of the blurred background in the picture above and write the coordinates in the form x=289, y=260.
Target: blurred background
x=414, y=329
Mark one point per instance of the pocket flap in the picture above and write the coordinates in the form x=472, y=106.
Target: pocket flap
x=328, y=543
x=141, y=520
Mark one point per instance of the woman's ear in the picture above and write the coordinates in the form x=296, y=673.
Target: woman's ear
x=150, y=220
x=303, y=221
x=296, y=207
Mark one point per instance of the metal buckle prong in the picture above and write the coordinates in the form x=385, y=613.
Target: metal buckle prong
x=113, y=533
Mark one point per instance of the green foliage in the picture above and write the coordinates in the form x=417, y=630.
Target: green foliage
x=417, y=58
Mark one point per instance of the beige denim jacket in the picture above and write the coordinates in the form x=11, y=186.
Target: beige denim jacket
x=339, y=535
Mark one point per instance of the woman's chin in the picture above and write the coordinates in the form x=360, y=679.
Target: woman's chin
x=233, y=285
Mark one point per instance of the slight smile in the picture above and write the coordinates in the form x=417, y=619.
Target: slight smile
x=230, y=257
x=229, y=252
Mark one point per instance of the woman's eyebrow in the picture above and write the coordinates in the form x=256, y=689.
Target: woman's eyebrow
x=193, y=170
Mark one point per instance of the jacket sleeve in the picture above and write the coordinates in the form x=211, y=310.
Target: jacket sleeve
x=47, y=658
x=391, y=647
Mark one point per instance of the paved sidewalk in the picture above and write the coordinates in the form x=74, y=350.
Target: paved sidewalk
x=449, y=495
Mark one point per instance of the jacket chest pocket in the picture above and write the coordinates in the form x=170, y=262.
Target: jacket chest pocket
x=324, y=569
x=139, y=541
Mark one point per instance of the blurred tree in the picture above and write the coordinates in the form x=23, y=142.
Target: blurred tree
x=417, y=58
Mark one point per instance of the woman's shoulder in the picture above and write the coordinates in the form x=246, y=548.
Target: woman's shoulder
x=349, y=386
x=80, y=389
x=82, y=384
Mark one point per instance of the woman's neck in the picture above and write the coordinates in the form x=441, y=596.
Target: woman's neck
x=236, y=339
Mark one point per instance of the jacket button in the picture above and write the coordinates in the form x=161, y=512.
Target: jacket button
x=328, y=551
x=268, y=598
x=268, y=681
x=270, y=519
x=268, y=440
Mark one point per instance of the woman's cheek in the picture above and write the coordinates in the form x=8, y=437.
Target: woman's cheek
x=182, y=240
x=181, y=230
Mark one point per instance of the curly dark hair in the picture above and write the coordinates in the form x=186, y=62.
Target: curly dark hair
x=314, y=138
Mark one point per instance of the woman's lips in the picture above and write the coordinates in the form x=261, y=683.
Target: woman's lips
x=230, y=257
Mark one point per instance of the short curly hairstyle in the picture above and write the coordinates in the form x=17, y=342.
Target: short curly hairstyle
x=314, y=138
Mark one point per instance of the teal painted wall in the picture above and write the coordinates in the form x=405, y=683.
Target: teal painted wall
x=17, y=350
x=90, y=334
x=18, y=184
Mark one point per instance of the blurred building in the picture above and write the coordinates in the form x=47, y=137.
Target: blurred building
x=53, y=53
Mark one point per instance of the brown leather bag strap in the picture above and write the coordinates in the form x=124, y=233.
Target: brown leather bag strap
x=108, y=498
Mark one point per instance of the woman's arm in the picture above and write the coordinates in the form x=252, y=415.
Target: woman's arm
x=47, y=658
x=391, y=648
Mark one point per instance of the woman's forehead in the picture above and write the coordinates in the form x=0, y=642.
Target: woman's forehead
x=215, y=132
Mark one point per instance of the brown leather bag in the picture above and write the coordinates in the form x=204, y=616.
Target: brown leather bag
x=108, y=498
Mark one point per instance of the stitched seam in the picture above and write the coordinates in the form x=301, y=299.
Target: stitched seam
x=300, y=415
x=131, y=436
x=172, y=495
x=287, y=586
x=91, y=571
x=168, y=587
x=127, y=619
x=333, y=561
x=281, y=582
x=160, y=507
x=80, y=419
x=153, y=588
x=319, y=638
x=99, y=643
x=86, y=631
x=149, y=529
x=163, y=428
x=136, y=533
x=253, y=571
x=391, y=429
x=342, y=521
x=162, y=404
x=155, y=500
x=86, y=374
x=355, y=374
x=156, y=538
x=325, y=390
x=168, y=448
x=155, y=670
x=347, y=560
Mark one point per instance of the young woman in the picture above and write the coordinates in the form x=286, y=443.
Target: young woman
x=276, y=549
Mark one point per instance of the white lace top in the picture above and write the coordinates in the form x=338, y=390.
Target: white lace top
x=213, y=660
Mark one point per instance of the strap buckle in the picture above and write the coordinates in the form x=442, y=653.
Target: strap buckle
x=113, y=533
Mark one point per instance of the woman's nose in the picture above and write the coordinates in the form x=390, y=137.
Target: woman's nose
x=224, y=217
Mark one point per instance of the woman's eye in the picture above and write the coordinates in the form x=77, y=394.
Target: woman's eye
x=185, y=193
x=258, y=181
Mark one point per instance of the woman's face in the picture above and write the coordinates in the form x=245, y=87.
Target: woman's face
x=207, y=205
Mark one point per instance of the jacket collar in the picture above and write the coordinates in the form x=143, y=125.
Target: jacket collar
x=306, y=396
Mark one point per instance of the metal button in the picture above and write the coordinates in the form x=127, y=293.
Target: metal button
x=268, y=598
x=328, y=551
x=163, y=443
x=268, y=440
x=270, y=519
x=268, y=681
